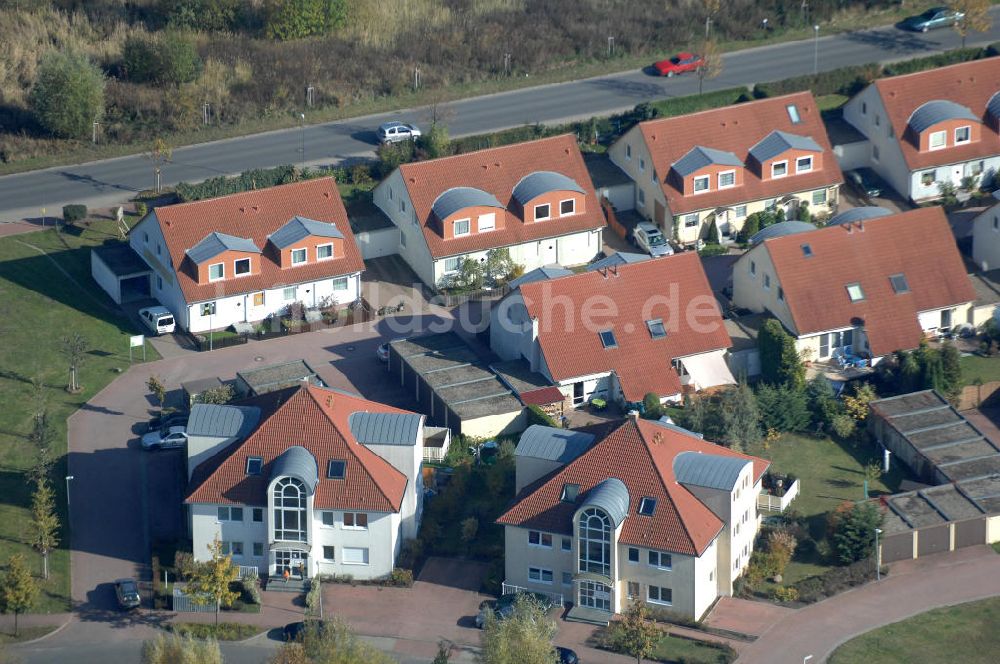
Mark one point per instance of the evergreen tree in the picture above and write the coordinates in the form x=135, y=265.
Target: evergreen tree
x=740, y=417
x=783, y=408
x=854, y=536
x=822, y=402
x=779, y=361
x=951, y=370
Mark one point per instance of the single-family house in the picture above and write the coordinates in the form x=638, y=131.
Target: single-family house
x=248, y=256
x=307, y=479
x=861, y=286
x=617, y=333
x=722, y=165
x=932, y=127
x=649, y=513
x=986, y=236
x=534, y=199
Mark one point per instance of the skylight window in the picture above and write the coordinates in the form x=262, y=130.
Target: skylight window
x=656, y=329
x=899, y=283
x=855, y=293
x=336, y=469
x=807, y=250
x=793, y=113
x=647, y=506
x=254, y=465
x=569, y=493
x=608, y=339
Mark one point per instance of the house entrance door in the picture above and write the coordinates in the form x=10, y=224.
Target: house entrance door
x=577, y=393
x=293, y=561
x=595, y=595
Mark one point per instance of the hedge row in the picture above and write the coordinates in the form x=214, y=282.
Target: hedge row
x=257, y=178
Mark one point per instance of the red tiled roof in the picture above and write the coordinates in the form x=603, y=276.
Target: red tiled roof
x=316, y=419
x=497, y=171
x=637, y=292
x=918, y=244
x=736, y=129
x=970, y=84
x=255, y=215
x=542, y=396
x=641, y=454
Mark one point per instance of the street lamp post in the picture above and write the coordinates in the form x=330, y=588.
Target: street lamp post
x=878, y=556
x=815, y=50
x=68, y=478
x=94, y=136
x=302, y=116
x=806, y=659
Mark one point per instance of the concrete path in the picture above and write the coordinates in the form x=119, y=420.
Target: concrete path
x=746, y=616
x=912, y=587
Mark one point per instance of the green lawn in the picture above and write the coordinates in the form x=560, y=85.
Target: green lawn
x=25, y=634
x=674, y=649
x=45, y=292
x=965, y=633
x=985, y=368
x=829, y=473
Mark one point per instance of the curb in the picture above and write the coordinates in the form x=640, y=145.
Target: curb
x=41, y=638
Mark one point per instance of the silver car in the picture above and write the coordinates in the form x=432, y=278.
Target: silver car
x=396, y=132
x=165, y=438
x=649, y=238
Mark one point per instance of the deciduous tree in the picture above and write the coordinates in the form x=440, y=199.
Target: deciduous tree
x=44, y=530
x=711, y=65
x=210, y=579
x=295, y=19
x=740, y=417
x=524, y=637
x=977, y=17
x=636, y=633
x=156, y=387
x=18, y=589
x=74, y=348
x=68, y=95
x=158, y=155
x=329, y=642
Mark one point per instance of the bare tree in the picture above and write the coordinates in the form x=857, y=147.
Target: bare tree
x=711, y=65
x=977, y=17
x=159, y=154
x=73, y=348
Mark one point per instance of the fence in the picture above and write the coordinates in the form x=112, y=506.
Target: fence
x=768, y=503
x=510, y=589
x=247, y=571
x=613, y=223
x=184, y=603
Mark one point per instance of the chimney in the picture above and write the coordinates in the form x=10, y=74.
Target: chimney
x=633, y=415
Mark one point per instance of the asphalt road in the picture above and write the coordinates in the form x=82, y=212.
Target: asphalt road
x=109, y=182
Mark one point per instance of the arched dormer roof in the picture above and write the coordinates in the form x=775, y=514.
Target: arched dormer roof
x=780, y=229
x=299, y=463
x=938, y=110
x=452, y=200
x=709, y=470
x=993, y=106
x=611, y=496
x=858, y=214
x=535, y=184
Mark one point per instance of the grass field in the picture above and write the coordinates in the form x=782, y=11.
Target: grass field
x=965, y=633
x=829, y=474
x=985, y=368
x=674, y=649
x=46, y=292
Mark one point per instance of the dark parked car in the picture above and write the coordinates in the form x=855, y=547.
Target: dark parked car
x=127, y=593
x=866, y=182
x=935, y=17
x=503, y=606
x=161, y=422
x=295, y=631
x=567, y=656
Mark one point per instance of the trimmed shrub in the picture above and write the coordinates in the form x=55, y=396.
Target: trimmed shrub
x=713, y=249
x=951, y=57
x=226, y=631
x=141, y=208
x=401, y=577
x=74, y=212
x=536, y=415
x=844, y=81
x=785, y=594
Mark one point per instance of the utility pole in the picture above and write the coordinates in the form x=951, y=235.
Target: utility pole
x=310, y=90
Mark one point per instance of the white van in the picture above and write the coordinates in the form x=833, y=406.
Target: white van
x=158, y=319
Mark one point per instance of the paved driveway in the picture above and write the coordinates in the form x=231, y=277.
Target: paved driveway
x=115, y=485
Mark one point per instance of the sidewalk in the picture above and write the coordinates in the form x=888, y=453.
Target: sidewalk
x=912, y=587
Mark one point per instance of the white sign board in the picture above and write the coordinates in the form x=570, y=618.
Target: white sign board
x=136, y=341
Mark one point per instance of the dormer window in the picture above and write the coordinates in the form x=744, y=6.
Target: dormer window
x=324, y=252
x=336, y=469
x=855, y=292
x=241, y=267
x=937, y=140
x=779, y=169
x=569, y=493
x=216, y=271
x=567, y=207
x=298, y=256
x=254, y=465
x=701, y=184
x=727, y=179
x=608, y=339
x=804, y=164
x=542, y=212
x=963, y=135
x=647, y=506
x=460, y=227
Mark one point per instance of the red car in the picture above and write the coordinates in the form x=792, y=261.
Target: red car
x=679, y=64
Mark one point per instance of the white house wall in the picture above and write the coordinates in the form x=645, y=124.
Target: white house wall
x=748, y=288
x=952, y=173
x=650, y=189
x=407, y=459
x=512, y=334
x=105, y=278
x=205, y=526
x=889, y=162
x=412, y=247
x=147, y=240
x=240, y=308
x=378, y=243
x=986, y=239
x=706, y=580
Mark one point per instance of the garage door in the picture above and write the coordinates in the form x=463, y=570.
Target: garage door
x=934, y=540
x=375, y=244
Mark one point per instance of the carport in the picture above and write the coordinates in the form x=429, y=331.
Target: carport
x=120, y=271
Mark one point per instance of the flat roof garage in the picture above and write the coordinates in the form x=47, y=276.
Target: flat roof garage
x=120, y=272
